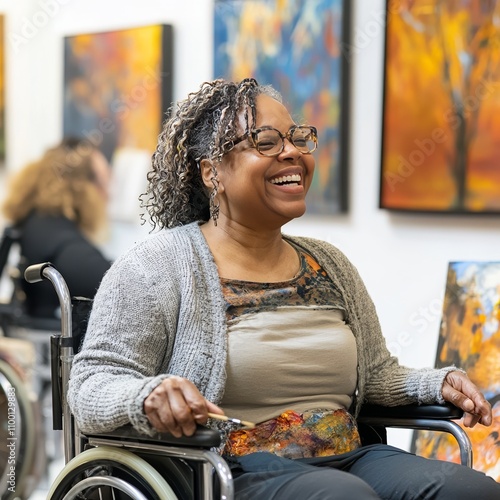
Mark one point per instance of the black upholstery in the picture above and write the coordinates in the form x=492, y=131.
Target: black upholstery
x=204, y=437
x=436, y=412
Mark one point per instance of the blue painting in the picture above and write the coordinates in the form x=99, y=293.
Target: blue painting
x=297, y=46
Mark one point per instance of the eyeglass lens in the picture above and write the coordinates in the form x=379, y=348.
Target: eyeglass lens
x=270, y=141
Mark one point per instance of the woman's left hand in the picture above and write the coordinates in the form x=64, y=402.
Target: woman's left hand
x=459, y=390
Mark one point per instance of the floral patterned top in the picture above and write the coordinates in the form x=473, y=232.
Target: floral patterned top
x=289, y=355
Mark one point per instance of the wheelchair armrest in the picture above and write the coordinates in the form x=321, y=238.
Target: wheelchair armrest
x=204, y=437
x=412, y=411
x=431, y=417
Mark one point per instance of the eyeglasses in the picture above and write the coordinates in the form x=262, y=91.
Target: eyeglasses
x=271, y=142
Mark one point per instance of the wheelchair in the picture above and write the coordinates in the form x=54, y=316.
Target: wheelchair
x=17, y=326
x=15, y=322
x=123, y=464
x=21, y=458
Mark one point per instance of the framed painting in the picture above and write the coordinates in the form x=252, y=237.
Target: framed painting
x=118, y=87
x=298, y=48
x=2, y=91
x=441, y=109
x=470, y=339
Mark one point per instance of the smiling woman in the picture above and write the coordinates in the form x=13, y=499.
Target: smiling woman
x=261, y=181
x=273, y=329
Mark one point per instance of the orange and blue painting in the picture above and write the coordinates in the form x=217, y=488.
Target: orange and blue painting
x=441, y=111
x=2, y=91
x=470, y=339
x=118, y=87
x=298, y=48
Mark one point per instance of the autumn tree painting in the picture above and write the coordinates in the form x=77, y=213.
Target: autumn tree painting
x=470, y=339
x=2, y=93
x=441, y=130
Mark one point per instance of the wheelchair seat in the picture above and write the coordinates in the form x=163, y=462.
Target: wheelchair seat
x=126, y=464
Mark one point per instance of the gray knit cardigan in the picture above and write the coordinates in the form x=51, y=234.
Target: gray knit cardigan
x=159, y=310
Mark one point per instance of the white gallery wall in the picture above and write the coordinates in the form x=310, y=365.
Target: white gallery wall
x=403, y=258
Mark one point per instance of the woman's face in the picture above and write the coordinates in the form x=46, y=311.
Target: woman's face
x=253, y=189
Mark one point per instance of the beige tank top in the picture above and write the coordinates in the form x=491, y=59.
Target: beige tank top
x=288, y=346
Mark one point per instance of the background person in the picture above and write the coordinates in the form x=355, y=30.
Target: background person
x=220, y=309
x=60, y=204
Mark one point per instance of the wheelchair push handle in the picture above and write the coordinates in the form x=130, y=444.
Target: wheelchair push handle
x=34, y=273
x=45, y=270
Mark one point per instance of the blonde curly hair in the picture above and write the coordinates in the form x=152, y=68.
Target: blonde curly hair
x=203, y=126
x=61, y=183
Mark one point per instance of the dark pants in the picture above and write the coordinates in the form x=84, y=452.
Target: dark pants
x=371, y=472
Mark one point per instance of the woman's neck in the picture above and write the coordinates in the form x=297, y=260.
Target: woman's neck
x=244, y=254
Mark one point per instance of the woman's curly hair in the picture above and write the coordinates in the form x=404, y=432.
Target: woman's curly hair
x=61, y=183
x=203, y=126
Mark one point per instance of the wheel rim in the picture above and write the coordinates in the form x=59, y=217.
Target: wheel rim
x=23, y=430
x=102, y=458
x=93, y=483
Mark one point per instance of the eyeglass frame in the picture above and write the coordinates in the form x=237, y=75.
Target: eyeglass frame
x=252, y=134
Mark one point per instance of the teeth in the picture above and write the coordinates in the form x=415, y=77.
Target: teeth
x=295, y=178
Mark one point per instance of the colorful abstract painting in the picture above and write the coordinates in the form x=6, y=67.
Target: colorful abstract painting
x=2, y=92
x=470, y=339
x=441, y=112
x=118, y=87
x=297, y=47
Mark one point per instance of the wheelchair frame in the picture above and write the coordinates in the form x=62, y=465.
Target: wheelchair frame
x=120, y=443
x=195, y=449
x=20, y=468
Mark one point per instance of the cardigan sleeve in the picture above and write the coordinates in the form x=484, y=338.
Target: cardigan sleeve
x=385, y=381
x=125, y=345
x=381, y=379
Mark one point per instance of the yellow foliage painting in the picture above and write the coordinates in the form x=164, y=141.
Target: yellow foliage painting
x=470, y=339
x=118, y=86
x=2, y=90
x=441, y=125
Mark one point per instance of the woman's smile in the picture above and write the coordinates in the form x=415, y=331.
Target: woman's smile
x=287, y=180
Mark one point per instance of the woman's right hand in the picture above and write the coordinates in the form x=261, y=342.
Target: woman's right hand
x=177, y=406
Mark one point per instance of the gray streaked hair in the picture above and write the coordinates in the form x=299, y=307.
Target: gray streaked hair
x=203, y=126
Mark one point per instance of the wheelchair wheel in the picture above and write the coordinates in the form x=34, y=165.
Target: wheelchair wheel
x=106, y=472
x=18, y=429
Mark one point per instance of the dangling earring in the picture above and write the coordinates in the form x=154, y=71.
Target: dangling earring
x=214, y=202
x=214, y=206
